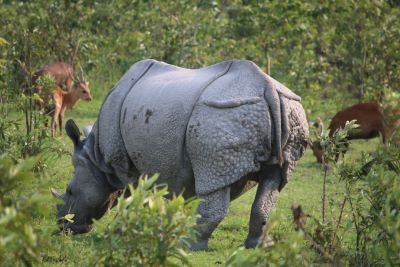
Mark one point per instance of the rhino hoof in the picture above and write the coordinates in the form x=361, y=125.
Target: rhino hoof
x=199, y=245
x=253, y=242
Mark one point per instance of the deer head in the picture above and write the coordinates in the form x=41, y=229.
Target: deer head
x=318, y=128
x=82, y=86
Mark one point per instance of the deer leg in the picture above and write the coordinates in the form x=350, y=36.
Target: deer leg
x=54, y=120
x=265, y=200
x=61, y=118
x=212, y=210
x=52, y=126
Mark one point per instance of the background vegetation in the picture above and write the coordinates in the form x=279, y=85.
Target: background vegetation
x=332, y=53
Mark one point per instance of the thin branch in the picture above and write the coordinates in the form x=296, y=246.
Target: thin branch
x=324, y=189
x=334, y=233
x=356, y=225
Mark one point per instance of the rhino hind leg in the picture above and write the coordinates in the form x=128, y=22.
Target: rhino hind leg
x=265, y=200
x=212, y=210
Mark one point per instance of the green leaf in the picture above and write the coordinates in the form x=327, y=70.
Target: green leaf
x=150, y=182
x=69, y=217
x=3, y=41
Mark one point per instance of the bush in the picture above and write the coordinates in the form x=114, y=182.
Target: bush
x=20, y=243
x=373, y=188
x=148, y=230
x=16, y=143
x=290, y=251
x=9, y=137
x=372, y=199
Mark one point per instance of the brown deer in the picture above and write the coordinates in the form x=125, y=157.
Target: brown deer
x=66, y=100
x=69, y=89
x=62, y=73
x=371, y=123
x=64, y=79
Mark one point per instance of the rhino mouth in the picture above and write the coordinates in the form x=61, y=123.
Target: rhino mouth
x=80, y=229
x=68, y=228
x=72, y=228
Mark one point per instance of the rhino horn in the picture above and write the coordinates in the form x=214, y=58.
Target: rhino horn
x=55, y=194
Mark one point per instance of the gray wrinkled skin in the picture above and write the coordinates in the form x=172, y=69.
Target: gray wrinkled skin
x=213, y=132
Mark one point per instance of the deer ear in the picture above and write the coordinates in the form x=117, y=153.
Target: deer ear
x=73, y=132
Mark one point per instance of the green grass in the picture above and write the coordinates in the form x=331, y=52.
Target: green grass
x=304, y=188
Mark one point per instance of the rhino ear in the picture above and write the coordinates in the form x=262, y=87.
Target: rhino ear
x=73, y=132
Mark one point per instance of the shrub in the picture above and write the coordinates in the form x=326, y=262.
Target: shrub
x=9, y=136
x=16, y=143
x=19, y=241
x=148, y=230
x=373, y=189
x=372, y=197
x=290, y=251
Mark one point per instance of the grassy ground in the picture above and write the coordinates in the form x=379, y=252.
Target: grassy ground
x=304, y=188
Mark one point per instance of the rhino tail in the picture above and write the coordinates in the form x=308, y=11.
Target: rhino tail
x=272, y=98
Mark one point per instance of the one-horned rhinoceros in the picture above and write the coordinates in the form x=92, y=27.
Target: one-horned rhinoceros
x=212, y=132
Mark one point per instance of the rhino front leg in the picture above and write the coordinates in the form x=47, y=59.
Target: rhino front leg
x=212, y=210
x=266, y=197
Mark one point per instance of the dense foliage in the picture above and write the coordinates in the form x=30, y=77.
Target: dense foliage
x=336, y=48
x=148, y=230
x=20, y=242
x=332, y=53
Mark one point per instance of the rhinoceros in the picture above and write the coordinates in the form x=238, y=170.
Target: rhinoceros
x=212, y=132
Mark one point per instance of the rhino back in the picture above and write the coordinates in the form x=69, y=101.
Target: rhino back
x=155, y=114
x=216, y=123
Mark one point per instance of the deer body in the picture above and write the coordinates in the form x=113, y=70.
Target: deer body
x=66, y=100
x=369, y=118
x=62, y=73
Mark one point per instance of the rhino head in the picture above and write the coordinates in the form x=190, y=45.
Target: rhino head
x=88, y=196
